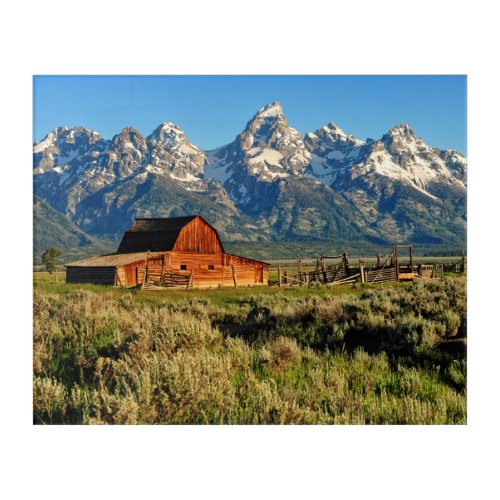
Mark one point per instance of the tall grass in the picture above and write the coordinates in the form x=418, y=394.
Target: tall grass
x=315, y=357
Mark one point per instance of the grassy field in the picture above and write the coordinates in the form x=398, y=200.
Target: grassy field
x=387, y=354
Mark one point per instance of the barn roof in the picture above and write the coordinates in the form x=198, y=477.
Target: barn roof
x=113, y=259
x=154, y=234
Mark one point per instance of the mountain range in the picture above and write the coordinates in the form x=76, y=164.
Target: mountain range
x=270, y=184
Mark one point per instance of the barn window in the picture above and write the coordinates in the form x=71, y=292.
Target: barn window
x=183, y=267
x=210, y=267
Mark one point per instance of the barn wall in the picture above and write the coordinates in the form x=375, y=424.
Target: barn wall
x=198, y=236
x=154, y=269
x=247, y=272
x=223, y=276
x=195, y=260
x=131, y=274
x=260, y=270
x=121, y=278
x=95, y=275
x=199, y=264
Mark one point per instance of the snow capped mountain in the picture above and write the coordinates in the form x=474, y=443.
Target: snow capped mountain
x=93, y=165
x=456, y=163
x=268, y=182
x=399, y=156
x=61, y=146
x=268, y=149
x=171, y=153
x=272, y=148
x=124, y=156
x=331, y=150
x=101, y=185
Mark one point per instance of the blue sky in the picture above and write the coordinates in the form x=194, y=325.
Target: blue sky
x=212, y=110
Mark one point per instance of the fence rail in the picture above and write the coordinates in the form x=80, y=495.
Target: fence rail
x=387, y=269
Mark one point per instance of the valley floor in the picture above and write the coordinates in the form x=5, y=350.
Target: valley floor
x=391, y=354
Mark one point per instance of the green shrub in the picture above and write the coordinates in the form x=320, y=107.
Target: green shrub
x=319, y=355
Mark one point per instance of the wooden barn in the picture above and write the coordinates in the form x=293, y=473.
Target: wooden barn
x=169, y=252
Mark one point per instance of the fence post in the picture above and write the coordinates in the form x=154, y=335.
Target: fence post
x=299, y=263
x=396, y=263
x=279, y=276
x=234, y=276
x=146, y=271
x=362, y=271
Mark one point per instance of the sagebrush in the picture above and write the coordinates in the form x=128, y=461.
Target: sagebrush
x=365, y=355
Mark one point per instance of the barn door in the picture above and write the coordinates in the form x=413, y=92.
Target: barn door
x=130, y=276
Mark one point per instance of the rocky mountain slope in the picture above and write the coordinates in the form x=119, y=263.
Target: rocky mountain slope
x=269, y=184
x=398, y=184
x=53, y=229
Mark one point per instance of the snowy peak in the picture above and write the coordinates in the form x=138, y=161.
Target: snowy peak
x=270, y=110
x=400, y=156
x=401, y=130
x=62, y=137
x=167, y=135
x=129, y=138
x=72, y=164
x=267, y=150
x=332, y=135
x=331, y=150
x=266, y=128
x=331, y=130
x=63, y=145
x=270, y=146
x=125, y=156
x=171, y=153
x=277, y=181
x=401, y=138
x=171, y=137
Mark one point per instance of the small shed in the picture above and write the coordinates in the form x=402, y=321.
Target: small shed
x=179, y=251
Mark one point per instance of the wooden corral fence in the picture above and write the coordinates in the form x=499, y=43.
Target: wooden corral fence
x=336, y=273
x=388, y=269
x=459, y=266
x=158, y=277
x=333, y=270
